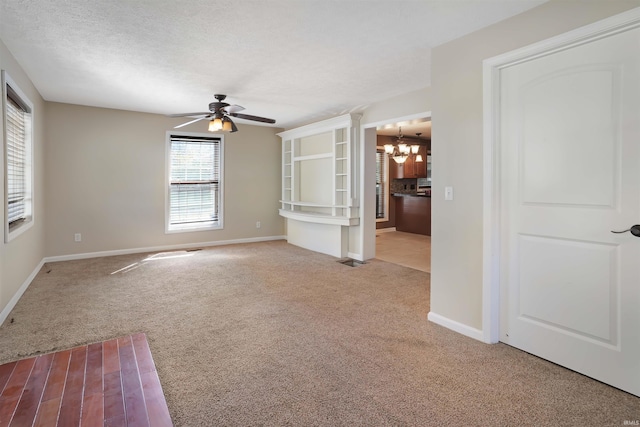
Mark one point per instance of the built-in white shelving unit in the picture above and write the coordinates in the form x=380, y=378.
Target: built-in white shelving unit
x=317, y=180
x=287, y=170
x=319, y=184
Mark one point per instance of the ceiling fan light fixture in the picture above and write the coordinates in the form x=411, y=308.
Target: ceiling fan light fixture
x=215, y=124
x=226, y=125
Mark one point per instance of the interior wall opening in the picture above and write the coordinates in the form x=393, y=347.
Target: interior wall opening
x=403, y=192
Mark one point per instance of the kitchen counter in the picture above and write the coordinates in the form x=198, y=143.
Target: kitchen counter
x=413, y=213
x=411, y=195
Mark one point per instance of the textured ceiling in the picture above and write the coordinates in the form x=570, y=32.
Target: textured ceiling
x=296, y=61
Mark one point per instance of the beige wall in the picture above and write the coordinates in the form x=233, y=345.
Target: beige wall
x=456, y=263
x=407, y=104
x=105, y=174
x=20, y=257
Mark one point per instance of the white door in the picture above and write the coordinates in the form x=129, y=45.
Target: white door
x=570, y=173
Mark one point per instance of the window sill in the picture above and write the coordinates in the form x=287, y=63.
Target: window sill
x=12, y=234
x=216, y=226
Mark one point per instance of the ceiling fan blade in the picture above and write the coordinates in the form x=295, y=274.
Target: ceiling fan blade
x=254, y=118
x=189, y=114
x=234, y=128
x=232, y=108
x=188, y=123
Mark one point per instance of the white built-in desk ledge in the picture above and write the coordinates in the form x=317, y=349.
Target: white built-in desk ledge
x=318, y=218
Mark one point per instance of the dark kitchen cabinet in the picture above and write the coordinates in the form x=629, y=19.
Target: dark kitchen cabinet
x=412, y=169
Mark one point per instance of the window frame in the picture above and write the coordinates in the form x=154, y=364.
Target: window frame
x=11, y=89
x=218, y=225
x=385, y=182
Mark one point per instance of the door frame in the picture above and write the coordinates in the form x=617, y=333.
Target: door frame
x=492, y=191
x=369, y=143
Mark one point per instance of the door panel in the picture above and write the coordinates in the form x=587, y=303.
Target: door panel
x=570, y=156
x=583, y=121
x=568, y=286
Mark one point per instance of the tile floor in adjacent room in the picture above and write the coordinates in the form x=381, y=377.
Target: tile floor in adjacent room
x=406, y=249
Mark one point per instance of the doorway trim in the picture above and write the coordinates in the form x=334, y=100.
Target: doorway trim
x=368, y=244
x=492, y=191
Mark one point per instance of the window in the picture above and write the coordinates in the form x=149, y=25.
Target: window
x=194, y=194
x=382, y=198
x=18, y=150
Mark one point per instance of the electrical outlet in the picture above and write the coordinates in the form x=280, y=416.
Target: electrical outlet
x=258, y=225
x=77, y=237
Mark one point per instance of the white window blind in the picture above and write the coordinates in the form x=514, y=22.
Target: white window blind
x=16, y=118
x=194, y=182
x=381, y=185
x=17, y=141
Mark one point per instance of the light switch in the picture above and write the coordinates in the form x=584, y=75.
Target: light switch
x=448, y=193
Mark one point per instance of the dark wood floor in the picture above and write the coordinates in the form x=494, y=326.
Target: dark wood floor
x=112, y=383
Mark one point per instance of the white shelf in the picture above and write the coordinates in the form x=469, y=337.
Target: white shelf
x=319, y=218
x=311, y=204
x=313, y=157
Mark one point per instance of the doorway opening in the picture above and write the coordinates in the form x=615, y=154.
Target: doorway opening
x=402, y=190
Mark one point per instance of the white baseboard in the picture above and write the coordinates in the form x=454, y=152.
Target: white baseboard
x=72, y=257
x=456, y=326
x=16, y=297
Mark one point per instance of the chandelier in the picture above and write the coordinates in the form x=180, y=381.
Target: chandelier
x=401, y=151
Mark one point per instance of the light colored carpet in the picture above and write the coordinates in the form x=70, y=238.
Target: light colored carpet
x=271, y=334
